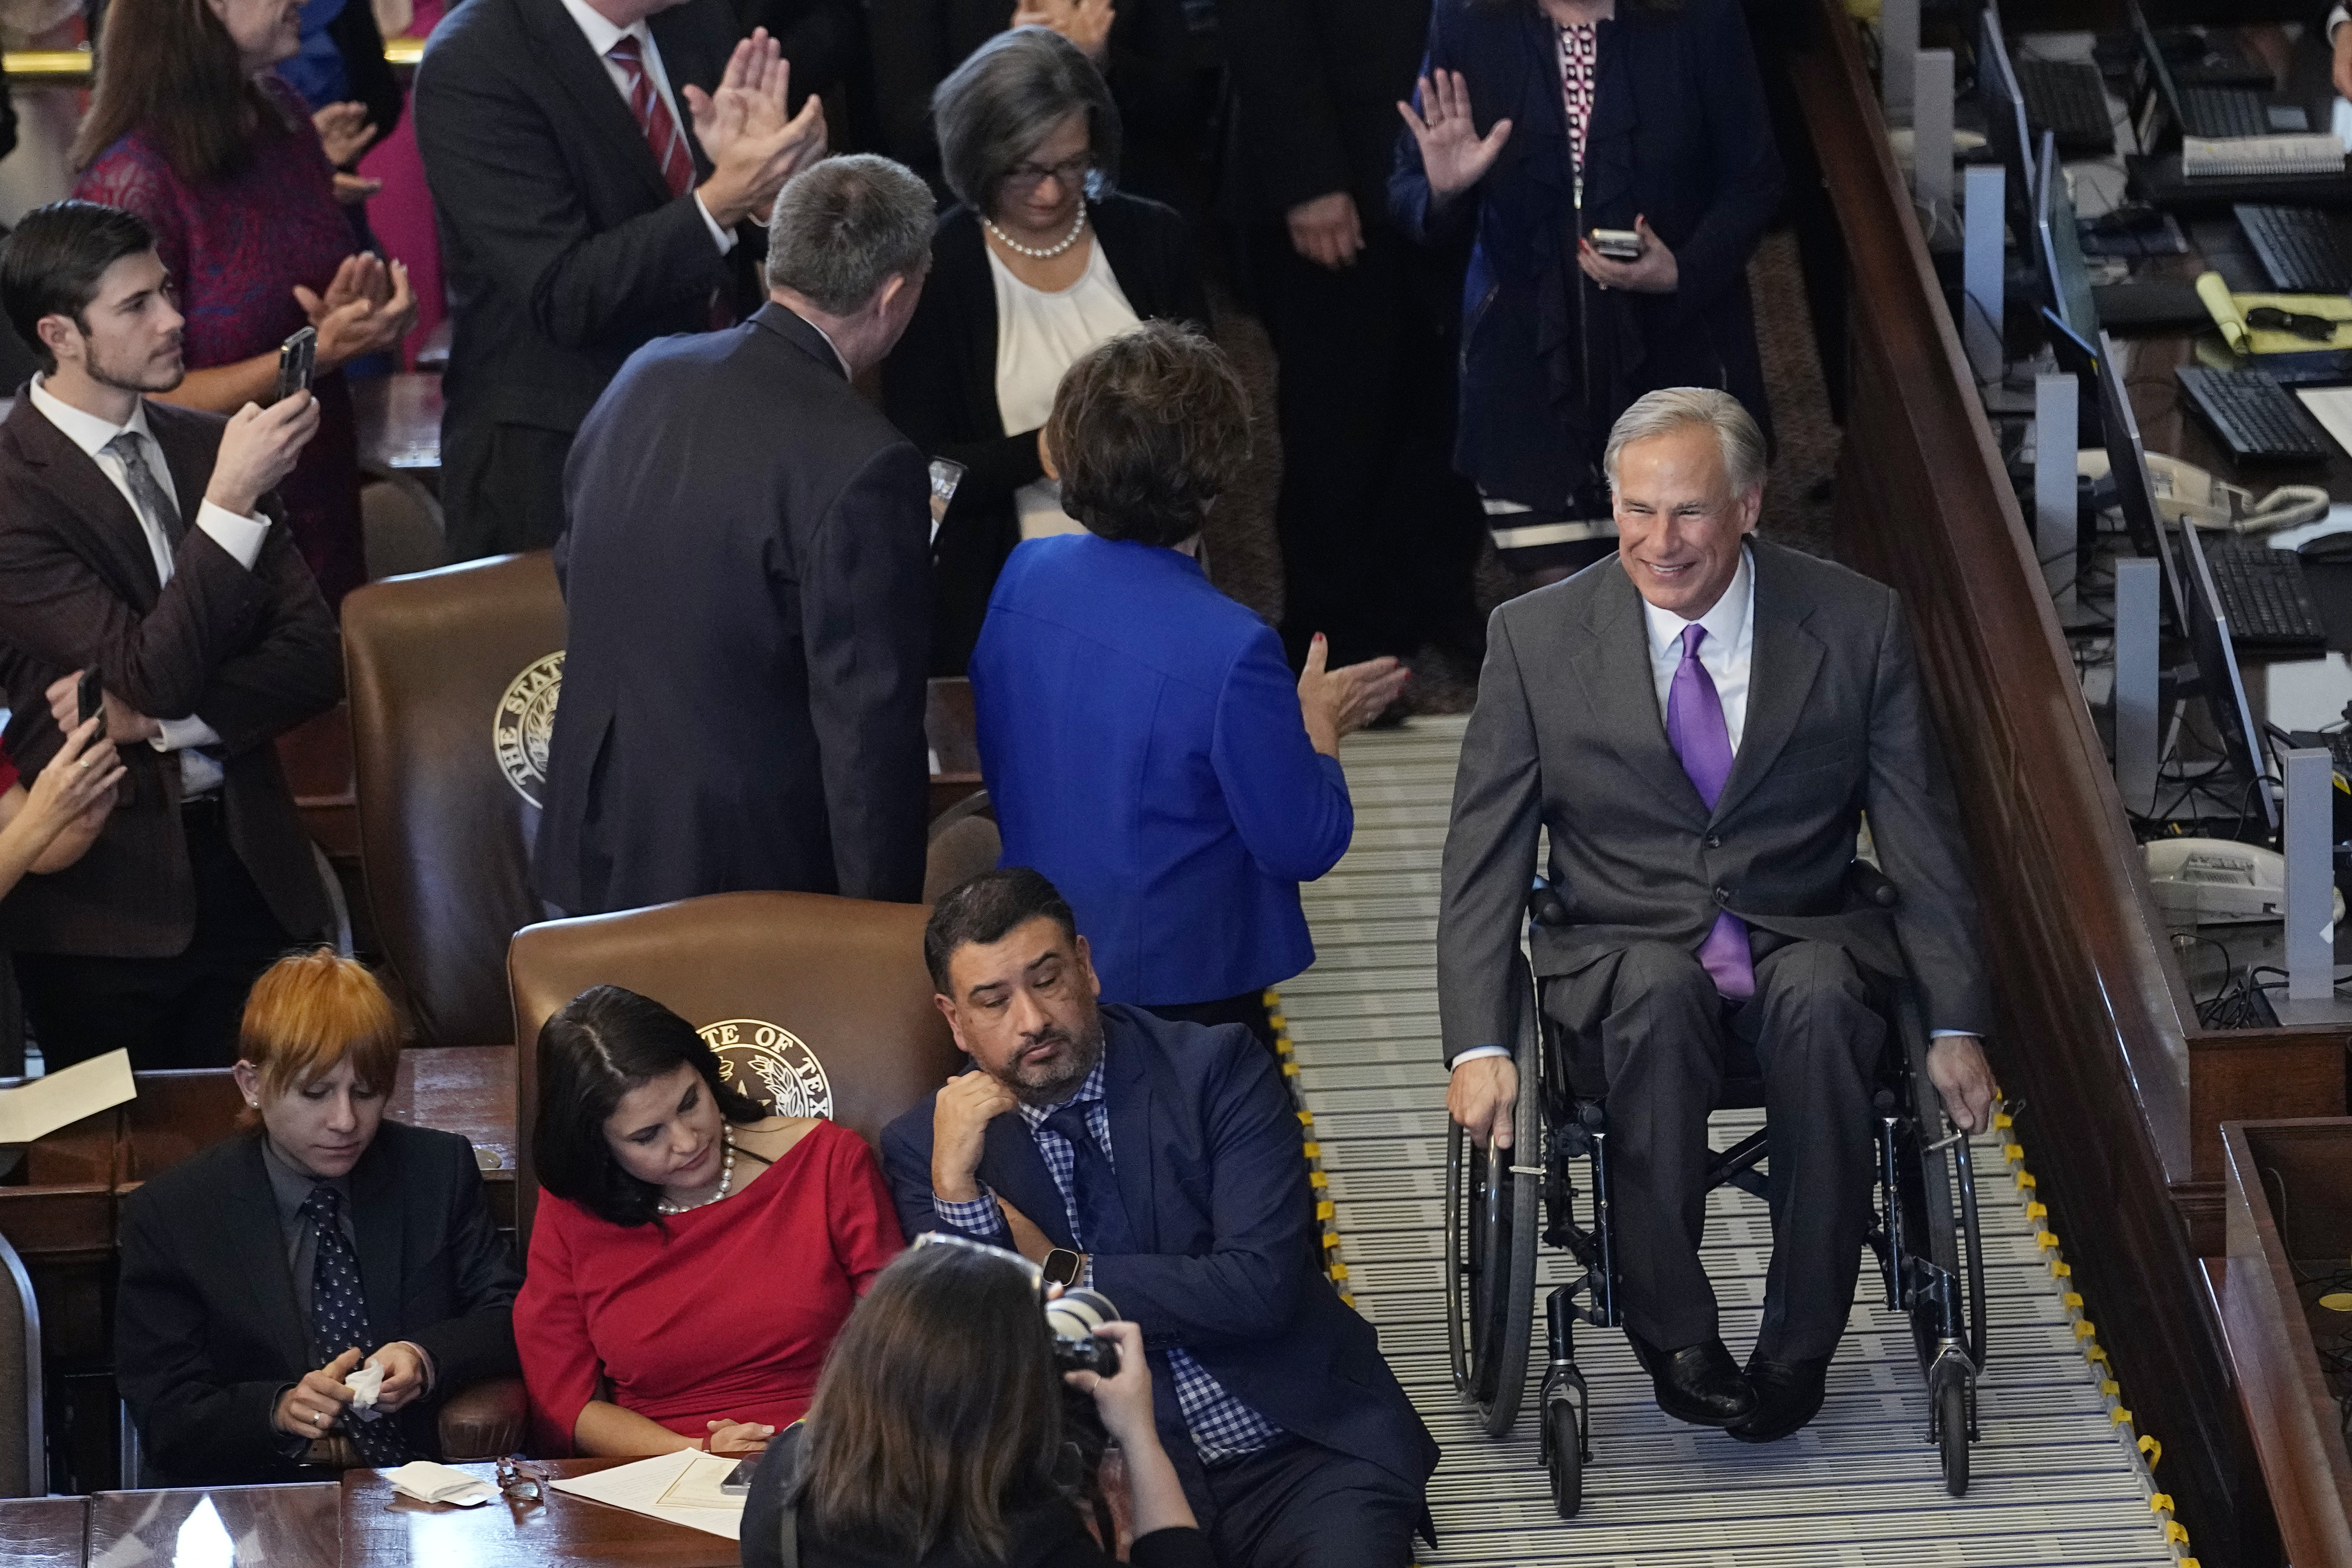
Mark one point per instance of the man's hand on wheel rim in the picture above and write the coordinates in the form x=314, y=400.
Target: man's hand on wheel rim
x=1482, y=1096
x=1957, y=1066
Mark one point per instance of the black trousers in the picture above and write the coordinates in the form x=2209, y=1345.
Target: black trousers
x=177, y=1011
x=501, y=487
x=1650, y=1025
x=1248, y=1009
x=1379, y=534
x=1298, y=1505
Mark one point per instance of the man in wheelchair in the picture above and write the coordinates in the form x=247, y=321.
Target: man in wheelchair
x=1700, y=724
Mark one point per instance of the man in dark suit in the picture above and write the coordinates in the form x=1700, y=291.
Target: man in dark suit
x=1162, y=1163
x=1700, y=723
x=1379, y=534
x=592, y=165
x=141, y=540
x=748, y=578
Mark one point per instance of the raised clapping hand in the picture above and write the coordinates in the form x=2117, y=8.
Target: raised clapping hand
x=368, y=305
x=345, y=131
x=1327, y=229
x=1454, y=156
x=1086, y=23
x=1651, y=272
x=1336, y=703
x=753, y=145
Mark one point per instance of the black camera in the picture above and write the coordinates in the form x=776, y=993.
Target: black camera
x=1072, y=1317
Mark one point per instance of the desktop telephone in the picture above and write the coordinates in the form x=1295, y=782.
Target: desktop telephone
x=2185, y=492
x=2219, y=880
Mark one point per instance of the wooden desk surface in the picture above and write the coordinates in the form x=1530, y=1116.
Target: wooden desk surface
x=271, y=1525
x=43, y=1531
x=469, y=1089
x=381, y=1528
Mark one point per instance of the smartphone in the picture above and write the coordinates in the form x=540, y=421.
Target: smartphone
x=90, y=698
x=297, y=357
x=1618, y=244
x=738, y=1481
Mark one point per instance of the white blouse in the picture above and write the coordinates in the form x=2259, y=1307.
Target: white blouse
x=1038, y=336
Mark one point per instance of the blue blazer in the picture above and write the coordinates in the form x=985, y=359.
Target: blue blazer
x=1679, y=136
x=1211, y=1166
x=1140, y=738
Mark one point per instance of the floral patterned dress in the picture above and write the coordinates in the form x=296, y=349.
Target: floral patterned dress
x=236, y=246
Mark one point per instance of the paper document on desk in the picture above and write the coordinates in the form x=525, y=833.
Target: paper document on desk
x=670, y=1486
x=42, y=1105
x=2332, y=407
x=2229, y=313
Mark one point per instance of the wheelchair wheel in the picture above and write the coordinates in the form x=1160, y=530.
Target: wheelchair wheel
x=1565, y=1445
x=1952, y=1434
x=1490, y=1257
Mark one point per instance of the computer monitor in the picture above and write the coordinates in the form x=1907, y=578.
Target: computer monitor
x=2224, y=684
x=2004, y=112
x=2128, y=465
x=2058, y=246
x=2155, y=119
x=2081, y=361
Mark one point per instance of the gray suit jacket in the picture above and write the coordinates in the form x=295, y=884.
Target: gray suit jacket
x=1567, y=736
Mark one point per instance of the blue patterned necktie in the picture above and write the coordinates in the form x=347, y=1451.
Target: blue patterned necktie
x=1103, y=1225
x=339, y=1319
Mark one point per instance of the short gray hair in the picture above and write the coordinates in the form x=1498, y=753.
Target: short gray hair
x=1007, y=97
x=844, y=226
x=1657, y=413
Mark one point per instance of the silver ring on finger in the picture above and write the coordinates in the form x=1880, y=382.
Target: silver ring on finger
x=83, y=765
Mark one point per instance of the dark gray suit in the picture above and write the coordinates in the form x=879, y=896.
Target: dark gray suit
x=1567, y=736
x=748, y=575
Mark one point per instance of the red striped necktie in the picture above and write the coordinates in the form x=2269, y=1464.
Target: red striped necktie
x=654, y=117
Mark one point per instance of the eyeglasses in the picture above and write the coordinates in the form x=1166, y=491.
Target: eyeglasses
x=2269, y=318
x=519, y=1484
x=1024, y=178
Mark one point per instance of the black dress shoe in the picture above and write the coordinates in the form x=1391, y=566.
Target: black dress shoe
x=1699, y=1383
x=1788, y=1395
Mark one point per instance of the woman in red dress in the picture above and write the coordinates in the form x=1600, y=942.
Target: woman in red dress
x=693, y=1257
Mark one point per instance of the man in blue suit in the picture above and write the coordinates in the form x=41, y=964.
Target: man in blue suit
x=1162, y=1163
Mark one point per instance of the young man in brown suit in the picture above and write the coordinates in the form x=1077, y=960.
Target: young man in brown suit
x=141, y=540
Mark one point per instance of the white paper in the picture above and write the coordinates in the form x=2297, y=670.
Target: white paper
x=365, y=1384
x=428, y=1483
x=2332, y=407
x=641, y=1487
x=42, y=1105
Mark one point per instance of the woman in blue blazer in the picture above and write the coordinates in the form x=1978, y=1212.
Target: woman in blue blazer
x=1141, y=739
x=1537, y=122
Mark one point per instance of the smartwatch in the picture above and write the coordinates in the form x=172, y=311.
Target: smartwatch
x=1063, y=1266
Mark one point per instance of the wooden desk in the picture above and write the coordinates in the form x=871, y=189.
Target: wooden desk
x=2290, y=1182
x=381, y=1528
x=400, y=422
x=292, y=1525
x=954, y=735
x=43, y=1531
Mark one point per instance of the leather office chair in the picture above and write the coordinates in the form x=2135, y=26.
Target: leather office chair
x=24, y=1444
x=963, y=842
x=816, y=1004
x=452, y=678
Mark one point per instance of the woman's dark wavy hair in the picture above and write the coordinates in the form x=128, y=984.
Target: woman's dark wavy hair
x=170, y=68
x=938, y=1412
x=603, y=1043
x=1148, y=428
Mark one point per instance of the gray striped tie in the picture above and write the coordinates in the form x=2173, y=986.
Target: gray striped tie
x=154, y=498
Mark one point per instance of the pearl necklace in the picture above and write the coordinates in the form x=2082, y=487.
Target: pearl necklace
x=1032, y=252
x=726, y=1176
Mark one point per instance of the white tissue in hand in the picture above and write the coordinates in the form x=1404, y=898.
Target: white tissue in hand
x=428, y=1483
x=365, y=1385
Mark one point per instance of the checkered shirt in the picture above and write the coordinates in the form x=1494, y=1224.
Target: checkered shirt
x=1222, y=1427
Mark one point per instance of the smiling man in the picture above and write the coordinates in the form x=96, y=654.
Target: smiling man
x=1160, y=1163
x=1700, y=723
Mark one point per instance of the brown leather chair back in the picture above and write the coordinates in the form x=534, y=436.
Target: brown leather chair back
x=815, y=1005
x=176, y=1114
x=452, y=678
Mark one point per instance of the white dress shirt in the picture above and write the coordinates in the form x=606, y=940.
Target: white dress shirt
x=242, y=537
x=601, y=36
x=1039, y=334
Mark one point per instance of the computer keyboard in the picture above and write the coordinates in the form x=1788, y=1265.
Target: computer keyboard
x=2255, y=418
x=2069, y=99
x=2297, y=247
x=2265, y=597
x=2225, y=111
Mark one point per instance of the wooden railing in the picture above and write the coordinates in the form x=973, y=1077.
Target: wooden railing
x=2123, y=1093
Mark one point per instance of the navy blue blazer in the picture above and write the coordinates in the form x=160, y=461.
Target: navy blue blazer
x=1680, y=136
x=1211, y=1166
x=1142, y=745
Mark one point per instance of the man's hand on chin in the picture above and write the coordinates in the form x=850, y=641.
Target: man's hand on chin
x=1957, y=1066
x=1482, y=1097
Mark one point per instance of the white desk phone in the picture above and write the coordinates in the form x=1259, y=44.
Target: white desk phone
x=2219, y=882
x=2187, y=492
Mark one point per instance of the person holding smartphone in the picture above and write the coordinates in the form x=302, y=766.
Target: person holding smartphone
x=1615, y=189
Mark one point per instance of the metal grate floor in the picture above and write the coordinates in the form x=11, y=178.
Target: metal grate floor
x=2053, y=1482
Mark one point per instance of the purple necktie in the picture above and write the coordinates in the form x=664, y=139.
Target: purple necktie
x=1695, y=728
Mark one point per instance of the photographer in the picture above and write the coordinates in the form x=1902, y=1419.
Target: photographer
x=937, y=1437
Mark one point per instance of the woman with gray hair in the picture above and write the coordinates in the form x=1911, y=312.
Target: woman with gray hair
x=1040, y=260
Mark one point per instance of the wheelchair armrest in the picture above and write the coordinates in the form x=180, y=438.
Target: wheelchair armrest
x=485, y=1420
x=1872, y=885
x=1545, y=906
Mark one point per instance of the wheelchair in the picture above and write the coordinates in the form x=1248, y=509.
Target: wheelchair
x=1930, y=1259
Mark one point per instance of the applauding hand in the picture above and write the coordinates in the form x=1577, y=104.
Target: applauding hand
x=753, y=145
x=1453, y=156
